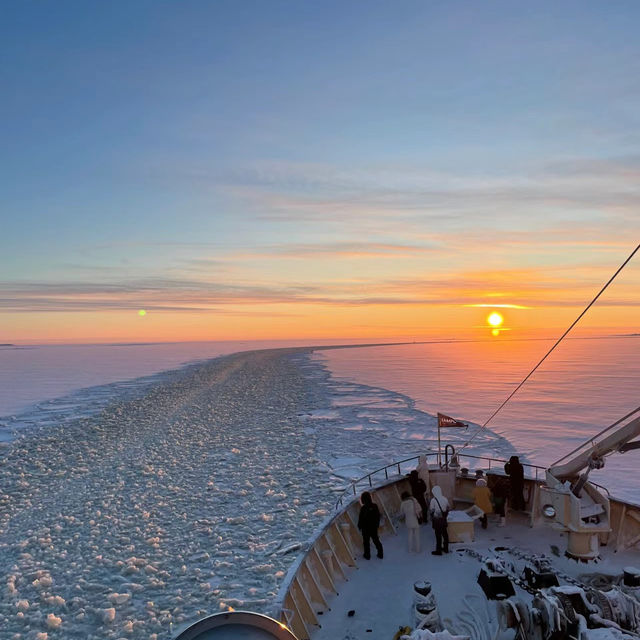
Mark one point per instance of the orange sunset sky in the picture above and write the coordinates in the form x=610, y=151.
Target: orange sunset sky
x=317, y=171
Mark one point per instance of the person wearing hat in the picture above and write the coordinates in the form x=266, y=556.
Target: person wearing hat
x=412, y=513
x=482, y=499
x=439, y=508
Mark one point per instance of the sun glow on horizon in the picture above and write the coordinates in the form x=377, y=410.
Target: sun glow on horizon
x=495, y=319
x=501, y=306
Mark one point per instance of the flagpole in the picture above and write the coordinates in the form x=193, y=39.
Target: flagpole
x=448, y=422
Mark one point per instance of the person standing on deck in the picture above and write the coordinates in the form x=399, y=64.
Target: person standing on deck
x=500, y=491
x=423, y=472
x=368, y=523
x=515, y=471
x=439, y=509
x=412, y=512
x=482, y=499
x=418, y=490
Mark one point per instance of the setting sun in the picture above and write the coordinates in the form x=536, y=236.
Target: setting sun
x=495, y=319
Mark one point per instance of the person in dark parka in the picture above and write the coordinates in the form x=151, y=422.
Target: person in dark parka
x=368, y=522
x=418, y=489
x=515, y=471
x=500, y=492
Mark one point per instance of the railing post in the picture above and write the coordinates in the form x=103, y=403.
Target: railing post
x=398, y=468
x=386, y=473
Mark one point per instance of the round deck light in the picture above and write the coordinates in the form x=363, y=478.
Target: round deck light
x=549, y=511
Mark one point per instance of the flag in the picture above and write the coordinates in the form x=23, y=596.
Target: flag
x=446, y=421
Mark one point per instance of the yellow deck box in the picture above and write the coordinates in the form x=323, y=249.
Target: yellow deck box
x=460, y=527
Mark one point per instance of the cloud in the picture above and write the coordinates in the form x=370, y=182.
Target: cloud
x=498, y=306
x=333, y=250
x=620, y=167
x=522, y=288
x=574, y=191
x=160, y=294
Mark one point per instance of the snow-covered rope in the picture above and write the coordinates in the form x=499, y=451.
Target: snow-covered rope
x=471, y=621
x=584, y=582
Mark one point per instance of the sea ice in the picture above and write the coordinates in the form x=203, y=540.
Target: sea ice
x=109, y=522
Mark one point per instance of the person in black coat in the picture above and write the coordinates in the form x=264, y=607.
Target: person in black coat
x=368, y=522
x=418, y=489
x=500, y=491
x=515, y=471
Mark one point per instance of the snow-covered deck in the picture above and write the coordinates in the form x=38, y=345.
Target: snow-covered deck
x=333, y=579
x=380, y=592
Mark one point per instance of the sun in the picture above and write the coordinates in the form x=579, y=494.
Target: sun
x=495, y=319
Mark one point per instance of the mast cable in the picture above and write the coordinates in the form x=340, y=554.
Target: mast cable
x=573, y=324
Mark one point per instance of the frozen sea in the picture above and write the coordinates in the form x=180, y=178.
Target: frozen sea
x=149, y=491
x=78, y=377
x=587, y=384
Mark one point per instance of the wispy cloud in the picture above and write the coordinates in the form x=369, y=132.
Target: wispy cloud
x=517, y=289
x=334, y=250
x=498, y=306
x=577, y=191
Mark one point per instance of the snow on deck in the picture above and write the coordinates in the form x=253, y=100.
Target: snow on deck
x=380, y=592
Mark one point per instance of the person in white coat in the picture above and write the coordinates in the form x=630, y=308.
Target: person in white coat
x=439, y=509
x=423, y=472
x=411, y=511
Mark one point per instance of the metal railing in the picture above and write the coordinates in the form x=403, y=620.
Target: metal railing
x=367, y=480
x=535, y=467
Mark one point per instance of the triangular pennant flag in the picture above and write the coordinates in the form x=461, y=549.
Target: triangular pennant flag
x=446, y=421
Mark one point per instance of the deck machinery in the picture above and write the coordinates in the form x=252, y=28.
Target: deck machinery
x=571, y=502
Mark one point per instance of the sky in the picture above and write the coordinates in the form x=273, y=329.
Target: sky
x=270, y=170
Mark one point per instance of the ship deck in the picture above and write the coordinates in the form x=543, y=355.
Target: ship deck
x=380, y=592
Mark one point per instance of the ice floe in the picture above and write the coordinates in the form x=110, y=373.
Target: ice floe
x=192, y=497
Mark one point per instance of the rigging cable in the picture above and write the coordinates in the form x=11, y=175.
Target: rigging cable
x=591, y=440
x=560, y=339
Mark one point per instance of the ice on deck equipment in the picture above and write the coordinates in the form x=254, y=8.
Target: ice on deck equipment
x=571, y=502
